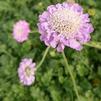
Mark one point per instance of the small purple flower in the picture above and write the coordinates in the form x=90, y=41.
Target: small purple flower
x=65, y=25
x=26, y=71
x=21, y=31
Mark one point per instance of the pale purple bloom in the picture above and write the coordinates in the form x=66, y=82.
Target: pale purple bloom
x=65, y=25
x=21, y=31
x=26, y=71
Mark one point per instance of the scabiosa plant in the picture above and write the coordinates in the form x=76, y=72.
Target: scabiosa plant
x=65, y=25
x=21, y=31
x=26, y=71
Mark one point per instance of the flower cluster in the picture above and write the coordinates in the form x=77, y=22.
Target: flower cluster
x=65, y=25
x=60, y=25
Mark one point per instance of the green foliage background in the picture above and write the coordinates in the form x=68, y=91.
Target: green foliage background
x=53, y=83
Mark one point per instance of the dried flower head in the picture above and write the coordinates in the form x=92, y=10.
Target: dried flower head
x=26, y=71
x=65, y=25
x=21, y=31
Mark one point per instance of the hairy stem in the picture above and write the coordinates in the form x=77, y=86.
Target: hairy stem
x=94, y=44
x=71, y=74
x=71, y=1
x=43, y=58
x=34, y=31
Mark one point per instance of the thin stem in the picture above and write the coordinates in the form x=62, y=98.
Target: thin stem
x=70, y=1
x=94, y=44
x=71, y=74
x=34, y=31
x=43, y=58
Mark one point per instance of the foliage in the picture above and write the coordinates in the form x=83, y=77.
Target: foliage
x=53, y=82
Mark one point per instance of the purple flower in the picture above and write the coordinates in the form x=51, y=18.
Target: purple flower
x=65, y=25
x=26, y=71
x=21, y=31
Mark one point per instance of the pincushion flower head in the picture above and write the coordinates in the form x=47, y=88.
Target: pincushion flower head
x=65, y=25
x=21, y=31
x=26, y=71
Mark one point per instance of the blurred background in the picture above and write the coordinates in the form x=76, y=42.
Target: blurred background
x=52, y=83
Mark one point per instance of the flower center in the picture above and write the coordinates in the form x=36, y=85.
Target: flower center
x=20, y=30
x=28, y=71
x=65, y=22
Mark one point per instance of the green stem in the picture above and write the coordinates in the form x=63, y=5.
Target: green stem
x=43, y=58
x=34, y=31
x=70, y=1
x=71, y=74
x=94, y=44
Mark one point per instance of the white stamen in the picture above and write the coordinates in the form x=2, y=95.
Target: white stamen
x=28, y=71
x=65, y=22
